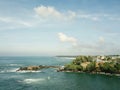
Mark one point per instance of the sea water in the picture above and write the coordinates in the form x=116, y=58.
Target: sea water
x=49, y=79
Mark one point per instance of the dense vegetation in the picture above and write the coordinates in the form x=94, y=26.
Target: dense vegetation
x=90, y=64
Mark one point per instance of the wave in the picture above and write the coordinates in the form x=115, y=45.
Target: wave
x=31, y=80
x=15, y=70
x=23, y=71
x=34, y=80
x=14, y=65
x=10, y=70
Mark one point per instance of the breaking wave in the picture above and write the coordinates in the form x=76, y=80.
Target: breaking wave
x=10, y=70
x=15, y=70
x=31, y=80
x=27, y=71
x=14, y=65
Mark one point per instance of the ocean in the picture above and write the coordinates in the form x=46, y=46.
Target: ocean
x=49, y=79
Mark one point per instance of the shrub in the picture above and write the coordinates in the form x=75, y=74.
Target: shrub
x=73, y=67
x=91, y=67
x=108, y=68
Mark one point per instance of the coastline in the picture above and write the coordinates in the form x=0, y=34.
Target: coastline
x=106, y=65
x=99, y=73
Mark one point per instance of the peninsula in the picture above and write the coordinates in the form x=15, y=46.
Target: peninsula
x=109, y=64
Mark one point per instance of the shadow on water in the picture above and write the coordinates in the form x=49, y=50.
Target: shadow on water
x=84, y=81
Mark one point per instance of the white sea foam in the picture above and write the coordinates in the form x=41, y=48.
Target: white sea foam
x=10, y=70
x=33, y=80
x=14, y=64
x=48, y=78
x=24, y=71
x=15, y=70
x=2, y=71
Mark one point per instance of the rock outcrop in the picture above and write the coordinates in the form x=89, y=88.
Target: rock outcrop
x=35, y=68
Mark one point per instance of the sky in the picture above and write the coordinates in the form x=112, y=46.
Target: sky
x=59, y=27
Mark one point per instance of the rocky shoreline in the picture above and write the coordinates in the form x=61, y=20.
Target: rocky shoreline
x=100, y=73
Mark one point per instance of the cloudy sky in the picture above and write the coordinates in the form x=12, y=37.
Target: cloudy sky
x=59, y=27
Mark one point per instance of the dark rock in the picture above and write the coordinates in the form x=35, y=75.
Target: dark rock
x=35, y=68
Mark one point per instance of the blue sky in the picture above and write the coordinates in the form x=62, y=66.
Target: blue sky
x=59, y=27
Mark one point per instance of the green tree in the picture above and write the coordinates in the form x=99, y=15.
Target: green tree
x=108, y=58
x=72, y=67
x=90, y=58
x=108, y=68
x=117, y=66
x=91, y=67
x=118, y=60
x=81, y=59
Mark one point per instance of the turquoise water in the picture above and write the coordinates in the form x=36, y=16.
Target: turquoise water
x=49, y=79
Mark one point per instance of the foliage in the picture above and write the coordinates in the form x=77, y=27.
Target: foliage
x=81, y=59
x=108, y=58
x=108, y=68
x=117, y=66
x=118, y=60
x=91, y=67
x=73, y=67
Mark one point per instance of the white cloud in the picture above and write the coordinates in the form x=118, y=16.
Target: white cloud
x=5, y=19
x=47, y=11
x=89, y=48
x=89, y=17
x=114, y=18
x=101, y=40
x=96, y=48
x=65, y=38
x=16, y=21
x=51, y=12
